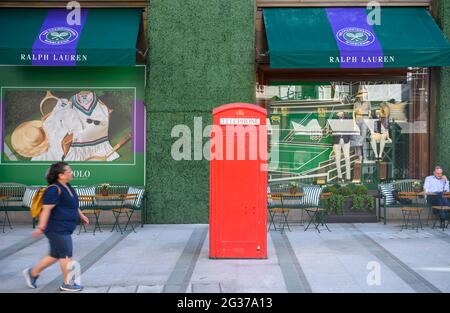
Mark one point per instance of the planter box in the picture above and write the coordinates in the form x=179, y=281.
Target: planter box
x=353, y=216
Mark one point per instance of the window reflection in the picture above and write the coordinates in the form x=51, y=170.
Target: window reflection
x=361, y=131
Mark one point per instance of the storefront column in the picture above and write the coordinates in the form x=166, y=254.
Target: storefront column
x=201, y=56
x=442, y=139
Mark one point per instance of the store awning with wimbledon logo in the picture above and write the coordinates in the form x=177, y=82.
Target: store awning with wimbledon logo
x=345, y=38
x=45, y=37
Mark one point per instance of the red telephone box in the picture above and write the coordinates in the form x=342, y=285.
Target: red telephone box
x=238, y=182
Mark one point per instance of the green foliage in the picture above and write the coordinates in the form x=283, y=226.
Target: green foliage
x=333, y=189
x=358, y=201
x=345, y=191
x=276, y=98
x=370, y=203
x=105, y=186
x=357, y=193
x=360, y=190
x=417, y=184
x=335, y=204
x=201, y=56
x=293, y=187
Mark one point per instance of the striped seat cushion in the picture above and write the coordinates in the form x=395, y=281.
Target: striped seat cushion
x=387, y=191
x=28, y=196
x=135, y=202
x=85, y=191
x=311, y=195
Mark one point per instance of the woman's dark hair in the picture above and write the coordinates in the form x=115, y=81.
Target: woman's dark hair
x=54, y=171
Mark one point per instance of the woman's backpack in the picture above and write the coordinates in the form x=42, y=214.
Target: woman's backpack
x=38, y=201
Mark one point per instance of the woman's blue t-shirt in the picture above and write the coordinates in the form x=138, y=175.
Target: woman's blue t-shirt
x=64, y=216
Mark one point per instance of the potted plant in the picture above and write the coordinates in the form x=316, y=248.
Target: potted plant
x=334, y=204
x=417, y=186
x=293, y=187
x=348, y=200
x=104, y=188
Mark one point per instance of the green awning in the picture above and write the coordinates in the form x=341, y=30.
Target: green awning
x=343, y=38
x=44, y=37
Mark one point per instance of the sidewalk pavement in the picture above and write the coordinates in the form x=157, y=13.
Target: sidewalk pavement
x=174, y=258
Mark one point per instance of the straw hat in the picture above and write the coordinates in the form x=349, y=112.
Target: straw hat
x=29, y=139
x=361, y=92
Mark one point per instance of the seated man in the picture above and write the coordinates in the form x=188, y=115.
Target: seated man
x=437, y=184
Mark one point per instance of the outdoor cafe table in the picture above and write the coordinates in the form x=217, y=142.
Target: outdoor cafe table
x=103, y=203
x=119, y=204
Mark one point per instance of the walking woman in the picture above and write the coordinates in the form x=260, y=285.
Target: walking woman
x=57, y=221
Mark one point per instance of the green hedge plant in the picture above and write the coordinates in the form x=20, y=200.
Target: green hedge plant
x=358, y=193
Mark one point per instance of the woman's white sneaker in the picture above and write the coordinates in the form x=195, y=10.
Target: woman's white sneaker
x=31, y=281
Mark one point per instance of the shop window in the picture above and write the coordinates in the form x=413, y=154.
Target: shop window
x=373, y=130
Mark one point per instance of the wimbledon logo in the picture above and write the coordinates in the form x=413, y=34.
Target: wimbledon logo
x=58, y=35
x=353, y=36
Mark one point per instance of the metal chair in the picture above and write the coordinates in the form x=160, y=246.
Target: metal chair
x=128, y=206
x=318, y=214
x=86, y=204
x=442, y=207
x=275, y=207
x=11, y=198
x=409, y=210
x=3, y=200
x=293, y=201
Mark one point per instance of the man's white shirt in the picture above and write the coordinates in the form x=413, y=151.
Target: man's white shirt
x=432, y=184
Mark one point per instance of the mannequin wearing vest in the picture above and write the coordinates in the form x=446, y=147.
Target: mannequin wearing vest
x=379, y=133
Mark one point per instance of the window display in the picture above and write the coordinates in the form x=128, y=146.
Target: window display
x=361, y=131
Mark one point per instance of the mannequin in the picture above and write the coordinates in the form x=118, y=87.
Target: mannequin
x=361, y=111
x=380, y=133
x=342, y=142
